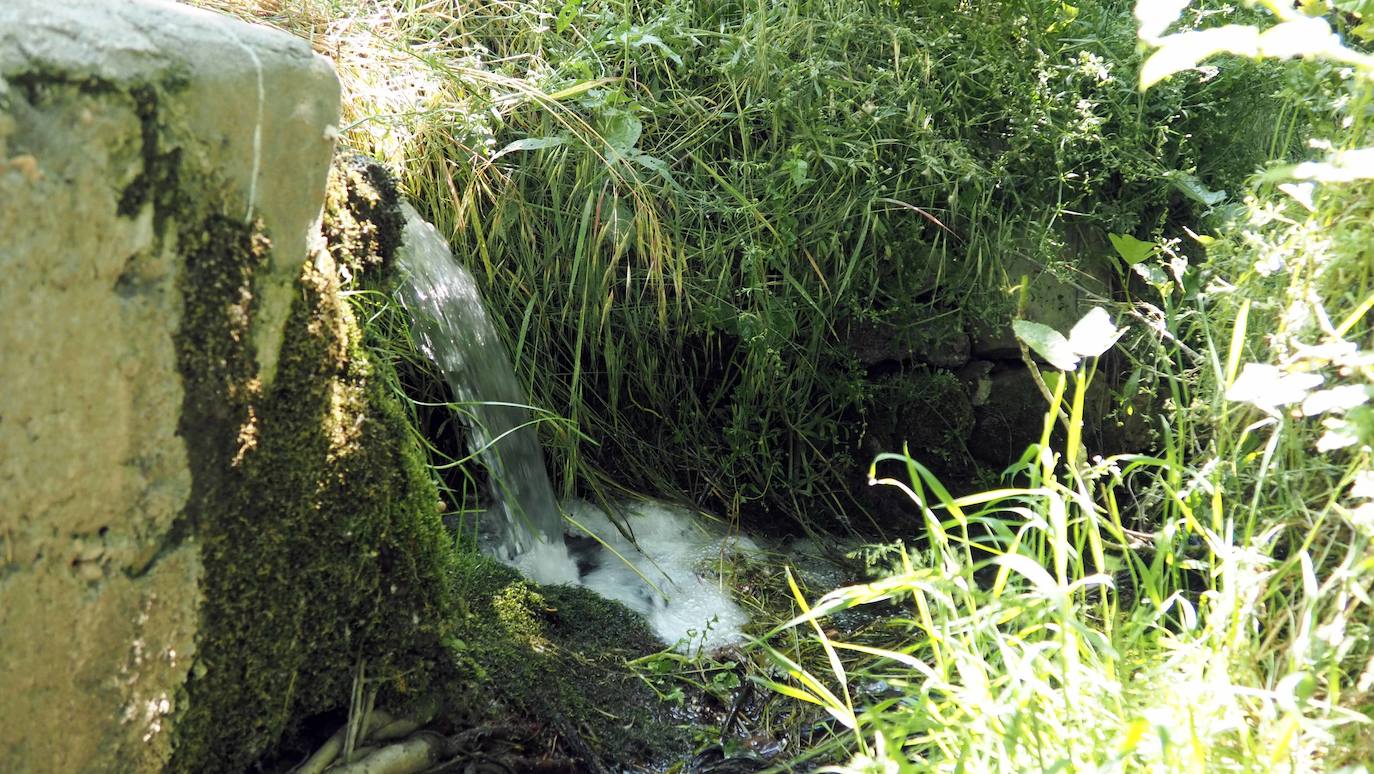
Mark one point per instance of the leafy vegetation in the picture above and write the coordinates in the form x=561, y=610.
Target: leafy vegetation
x=681, y=211
x=1233, y=634
x=684, y=213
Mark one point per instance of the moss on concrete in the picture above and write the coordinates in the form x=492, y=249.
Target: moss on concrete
x=322, y=546
x=362, y=224
x=556, y=656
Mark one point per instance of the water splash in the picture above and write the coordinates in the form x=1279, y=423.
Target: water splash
x=451, y=328
x=670, y=574
x=665, y=574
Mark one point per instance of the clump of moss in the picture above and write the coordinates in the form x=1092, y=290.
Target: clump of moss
x=321, y=545
x=362, y=224
x=556, y=655
x=324, y=554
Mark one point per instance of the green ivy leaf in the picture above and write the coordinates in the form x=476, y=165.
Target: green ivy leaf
x=1131, y=250
x=1046, y=342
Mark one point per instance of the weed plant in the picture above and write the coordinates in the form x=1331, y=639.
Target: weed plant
x=1234, y=634
x=681, y=212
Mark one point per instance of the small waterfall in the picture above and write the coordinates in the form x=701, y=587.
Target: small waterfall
x=665, y=575
x=451, y=328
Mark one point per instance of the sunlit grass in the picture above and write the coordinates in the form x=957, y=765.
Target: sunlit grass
x=745, y=183
x=1204, y=607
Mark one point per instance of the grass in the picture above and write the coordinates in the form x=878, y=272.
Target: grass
x=1234, y=635
x=679, y=209
x=750, y=184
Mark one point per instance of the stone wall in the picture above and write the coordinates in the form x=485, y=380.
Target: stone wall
x=124, y=128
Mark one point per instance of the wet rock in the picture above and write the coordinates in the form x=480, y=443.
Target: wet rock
x=1055, y=298
x=1011, y=418
x=976, y=377
x=929, y=414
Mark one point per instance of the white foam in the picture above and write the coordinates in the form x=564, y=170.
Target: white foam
x=674, y=582
x=547, y=563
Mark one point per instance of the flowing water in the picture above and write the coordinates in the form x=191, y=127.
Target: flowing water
x=664, y=574
x=451, y=328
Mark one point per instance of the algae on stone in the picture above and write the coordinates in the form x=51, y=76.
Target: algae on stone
x=320, y=541
x=323, y=548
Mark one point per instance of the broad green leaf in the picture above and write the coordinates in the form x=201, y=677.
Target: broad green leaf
x=1194, y=189
x=1185, y=50
x=1153, y=275
x=1363, y=486
x=1131, y=250
x=1094, y=334
x=1306, y=36
x=1268, y=387
x=1301, y=193
x=1047, y=343
x=1340, y=167
x=620, y=129
x=1340, y=434
x=1338, y=399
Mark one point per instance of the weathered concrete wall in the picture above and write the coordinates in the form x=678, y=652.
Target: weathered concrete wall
x=123, y=123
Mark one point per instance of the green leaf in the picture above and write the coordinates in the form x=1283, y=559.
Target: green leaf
x=1268, y=387
x=1300, y=37
x=1153, y=275
x=1094, y=334
x=620, y=129
x=1131, y=250
x=1155, y=16
x=657, y=166
x=1192, y=187
x=566, y=14
x=1046, y=342
x=1340, y=167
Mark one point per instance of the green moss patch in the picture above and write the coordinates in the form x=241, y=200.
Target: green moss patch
x=321, y=545
x=324, y=554
x=362, y=224
x=556, y=656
